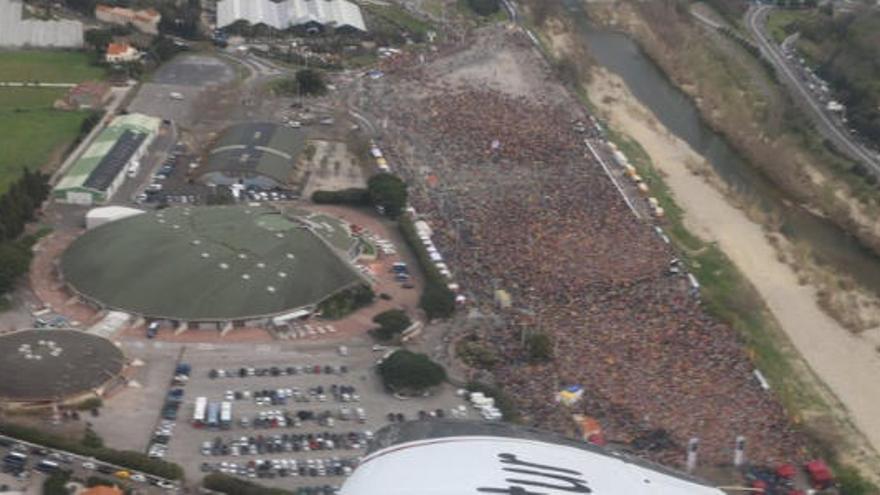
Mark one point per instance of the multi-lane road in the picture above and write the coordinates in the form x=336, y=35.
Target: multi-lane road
x=830, y=128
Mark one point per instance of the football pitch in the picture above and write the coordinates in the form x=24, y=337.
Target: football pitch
x=32, y=133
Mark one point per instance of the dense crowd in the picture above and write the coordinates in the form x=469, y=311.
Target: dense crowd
x=517, y=204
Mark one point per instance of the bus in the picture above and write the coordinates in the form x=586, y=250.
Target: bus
x=213, y=419
x=199, y=412
x=225, y=415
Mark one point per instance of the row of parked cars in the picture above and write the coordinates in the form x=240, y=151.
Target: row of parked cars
x=271, y=195
x=275, y=371
x=288, y=419
x=287, y=442
x=271, y=468
x=158, y=447
x=281, y=396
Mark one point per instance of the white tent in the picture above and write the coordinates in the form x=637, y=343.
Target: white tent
x=106, y=214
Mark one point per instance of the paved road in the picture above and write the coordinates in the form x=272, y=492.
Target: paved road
x=756, y=19
x=76, y=464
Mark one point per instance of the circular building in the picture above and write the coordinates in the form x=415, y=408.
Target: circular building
x=216, y=264
x=261, y=155
x=42, y=366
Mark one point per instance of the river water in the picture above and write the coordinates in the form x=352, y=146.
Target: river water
x=829, y=244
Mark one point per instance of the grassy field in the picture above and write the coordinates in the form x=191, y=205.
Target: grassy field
x=31, y=132
x=47, y=66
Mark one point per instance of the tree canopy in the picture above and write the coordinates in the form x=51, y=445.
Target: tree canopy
x=539, y=346
x=389, y=192
x=484, y=7
x=409, y=371
x=311, y=82
x=391, y=323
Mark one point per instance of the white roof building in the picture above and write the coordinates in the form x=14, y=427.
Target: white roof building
x=287, y=13
x=106, y=214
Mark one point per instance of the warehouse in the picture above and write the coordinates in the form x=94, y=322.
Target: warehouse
x=99, y=172
x=259, y=155
x=18, y=31
x=312, y=14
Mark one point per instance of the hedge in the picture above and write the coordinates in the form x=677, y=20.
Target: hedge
x=346, y=302
x=354, y=196
x=130, y=459
x=437, y=300
x=233, y=486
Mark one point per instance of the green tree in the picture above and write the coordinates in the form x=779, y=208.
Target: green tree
x=409, y=371
x=484, y=7
x=539, y=346
x=98, y=38
x=391, y=323
x=92, y=439
x=55, y=484
x=14, y=262
x=311, y=82
x=437, y=300
x=389, y=192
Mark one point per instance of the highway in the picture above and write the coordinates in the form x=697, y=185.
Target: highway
x=756, y=19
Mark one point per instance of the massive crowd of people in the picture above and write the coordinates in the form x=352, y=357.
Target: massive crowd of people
x=517, y=204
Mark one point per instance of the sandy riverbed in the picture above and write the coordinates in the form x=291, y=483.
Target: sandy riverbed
x=848, y=364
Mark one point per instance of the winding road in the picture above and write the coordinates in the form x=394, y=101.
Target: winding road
x=756, y=19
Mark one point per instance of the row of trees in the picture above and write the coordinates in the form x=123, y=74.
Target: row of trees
x=384, y=190
x=137, y=461
x=437, y=300
x=223, y=483
x=20, y=202
x=17, y=207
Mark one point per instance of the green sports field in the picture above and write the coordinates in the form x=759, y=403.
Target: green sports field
x=47, y=66
x=31, y=132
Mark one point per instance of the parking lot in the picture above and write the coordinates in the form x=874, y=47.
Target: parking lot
x=175, y=87
x=301, y=415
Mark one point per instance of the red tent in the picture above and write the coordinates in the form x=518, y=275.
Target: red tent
x=820, y=474
x=597, y=439
x=786, y=471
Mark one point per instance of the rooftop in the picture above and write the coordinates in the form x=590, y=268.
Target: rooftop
x=92, y=170
x=54, y=364
x=257, y=148
x=281, y=15
x=207, y=264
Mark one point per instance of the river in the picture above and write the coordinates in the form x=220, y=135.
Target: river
x=829, y=244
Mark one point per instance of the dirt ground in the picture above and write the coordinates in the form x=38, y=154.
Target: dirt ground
x=843, y=361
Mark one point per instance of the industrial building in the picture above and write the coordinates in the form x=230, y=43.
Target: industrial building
x=261, y=155
x=145, y=21
x=99, y=172
x=311, y=14
x=17, y=31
